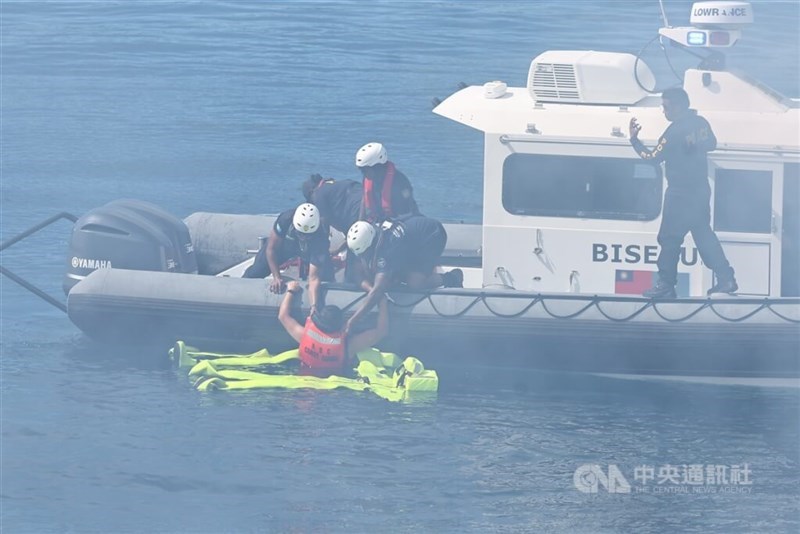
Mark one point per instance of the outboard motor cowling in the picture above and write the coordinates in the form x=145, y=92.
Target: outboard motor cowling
x=172, y=226
x=115, y=236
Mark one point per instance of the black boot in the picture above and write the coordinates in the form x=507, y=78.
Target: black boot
x=725, y=284
x=454, y=278
x=662, y=290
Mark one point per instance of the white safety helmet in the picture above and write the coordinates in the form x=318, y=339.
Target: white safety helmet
x=360, y=237
x=306, y=218
x=371, y=154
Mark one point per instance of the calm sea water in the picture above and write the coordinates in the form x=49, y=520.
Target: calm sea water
x=227, y=106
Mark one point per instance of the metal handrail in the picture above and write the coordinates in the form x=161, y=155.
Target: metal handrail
x=21, y=281
x=624, y=142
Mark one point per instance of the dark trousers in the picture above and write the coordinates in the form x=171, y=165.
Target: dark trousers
x=260, y=267
x=684, y=212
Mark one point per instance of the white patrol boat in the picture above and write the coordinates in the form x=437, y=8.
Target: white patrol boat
x=554, y=274
x=563, y=185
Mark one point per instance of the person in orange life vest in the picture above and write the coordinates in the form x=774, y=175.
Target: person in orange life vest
x=387, y=191
x=297, y=233
x=325, y=348
x=404, y=251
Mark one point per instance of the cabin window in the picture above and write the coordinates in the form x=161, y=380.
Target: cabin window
x=743, y=201
x=581, y=187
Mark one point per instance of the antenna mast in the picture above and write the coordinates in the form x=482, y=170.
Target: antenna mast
x=663, y=14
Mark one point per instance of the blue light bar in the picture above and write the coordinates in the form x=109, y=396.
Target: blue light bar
x=696, y=38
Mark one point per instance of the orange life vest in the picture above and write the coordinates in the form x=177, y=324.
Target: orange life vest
x=386, y=196
x=320, y=351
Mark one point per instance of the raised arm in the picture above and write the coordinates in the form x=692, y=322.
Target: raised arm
x=293, y=328
x=313, y=286
x=274, y=243
x=656, y=155
x=367, y=339
x=379, y=287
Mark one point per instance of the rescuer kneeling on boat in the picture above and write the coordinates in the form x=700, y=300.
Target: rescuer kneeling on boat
x=338, y=201
x=387, y=191
x=400, y=251
x=339, y=204
x=684, y=148
x=325, y=347
x=297, y=233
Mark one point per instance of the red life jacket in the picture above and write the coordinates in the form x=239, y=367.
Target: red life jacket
x=386, y=196
x=322, y=352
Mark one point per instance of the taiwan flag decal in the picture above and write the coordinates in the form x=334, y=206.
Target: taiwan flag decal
x=637, y=282
x=633, y=282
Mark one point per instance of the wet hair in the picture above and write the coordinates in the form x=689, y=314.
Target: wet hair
x=329, y=319
x=311, y=184
x=677, y=96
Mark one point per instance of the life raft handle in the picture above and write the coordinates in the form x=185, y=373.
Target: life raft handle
x=21, y=281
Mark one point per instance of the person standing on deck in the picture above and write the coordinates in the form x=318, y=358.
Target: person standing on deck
x=684, y=148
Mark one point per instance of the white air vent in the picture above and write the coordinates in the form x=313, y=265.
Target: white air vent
x=554, y=81
x=587, y=77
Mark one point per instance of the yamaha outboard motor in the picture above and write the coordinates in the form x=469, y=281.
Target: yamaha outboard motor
x=172, y=226
x=119, y=237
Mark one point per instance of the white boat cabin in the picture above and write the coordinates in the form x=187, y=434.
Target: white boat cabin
x=570, y=207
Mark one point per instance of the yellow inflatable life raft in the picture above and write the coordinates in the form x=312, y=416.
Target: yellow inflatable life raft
x=382, y=373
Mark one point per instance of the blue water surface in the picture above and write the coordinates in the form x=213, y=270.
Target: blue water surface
x=227, y=106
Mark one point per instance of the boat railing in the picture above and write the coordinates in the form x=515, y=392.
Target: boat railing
x=611, y=142
x=470, y=298
x=21, y=281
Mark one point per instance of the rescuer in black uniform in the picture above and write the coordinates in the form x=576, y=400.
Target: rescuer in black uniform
x=684, y=148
